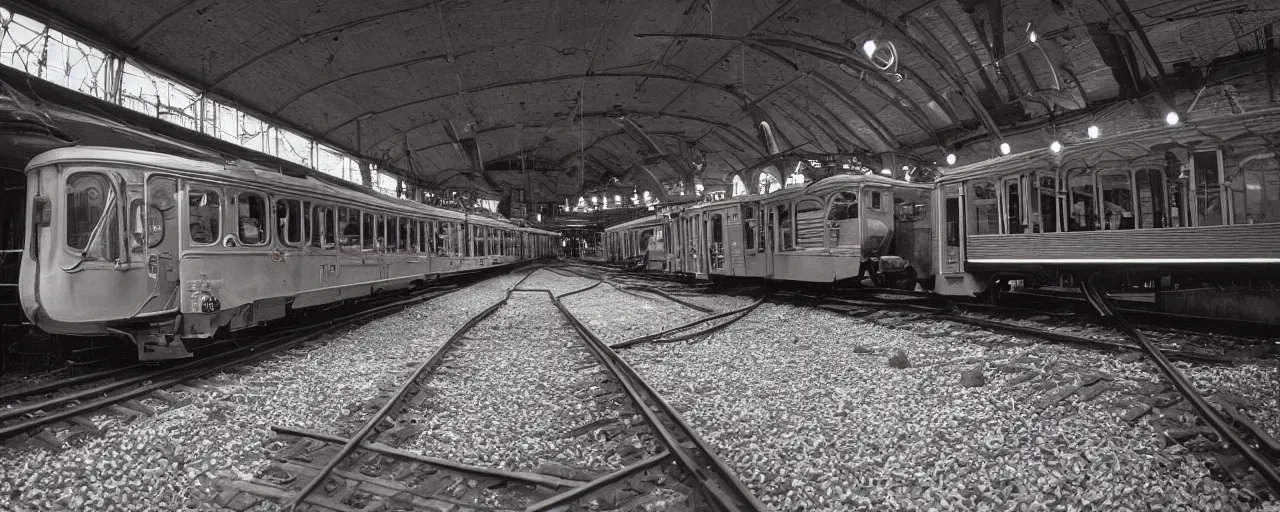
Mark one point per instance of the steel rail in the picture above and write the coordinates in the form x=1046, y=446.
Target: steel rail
x=659, y=337
x=421, y=371
x=736, y=497
x=1207, y=412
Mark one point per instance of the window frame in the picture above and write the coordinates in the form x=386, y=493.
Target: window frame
x=284, y=239
x=220, y=217
x=267, y=217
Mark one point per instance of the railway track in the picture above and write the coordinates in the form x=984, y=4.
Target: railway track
x=368, y=470
x=1245, y=453
x=58, y=412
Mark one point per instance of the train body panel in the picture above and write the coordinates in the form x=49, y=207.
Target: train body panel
x=168, y=251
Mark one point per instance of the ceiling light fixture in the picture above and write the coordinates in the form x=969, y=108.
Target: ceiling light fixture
x=1032, y=36
x=1172, y=118
x=869, y=48
x=1004, y=148
x=886, y=172
x=1055, y=146
x=1094, y=132
x=951, y=158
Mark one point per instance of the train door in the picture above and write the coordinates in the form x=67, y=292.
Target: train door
x=952, y=239
x=752, y=261
x=715, y=222
x=770, y=243
x=1011, y=195
x=153, y=222
x=733, y=241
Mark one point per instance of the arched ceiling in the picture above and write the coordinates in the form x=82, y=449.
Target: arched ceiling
x=461, y=92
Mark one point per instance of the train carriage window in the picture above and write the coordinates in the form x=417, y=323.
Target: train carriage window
x=1256, y=191
x=809, y=216
x=1084, y=212
x=161, y=196
x=349, y=227
x=1013, y=205
x=289, y=222
x=323, y=228
x=786, y=233
x=986, y=208
x=842, y=219
x=1208, y=189
x=875, y=200
x=1117, y=201
x=393, y=233
x=369, y=231
x=1151, y=202
x=306, y=222
x=251, y=212
x=1044, y=202
x=204, y=211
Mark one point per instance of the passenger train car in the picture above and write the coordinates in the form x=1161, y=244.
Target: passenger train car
x=1187, y=202
x=167, y=251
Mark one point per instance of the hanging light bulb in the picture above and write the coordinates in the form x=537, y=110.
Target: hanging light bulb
x=869, y=48
x=1055, y=146
x=951, y=158
x=1172, y=118
x=1033, y=37
x=1094, y=132
x=1004, y=148
x=539, y=217
x=886, y=172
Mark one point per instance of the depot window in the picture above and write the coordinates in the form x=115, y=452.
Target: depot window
x=251, y=212
x=204, y=209
x=91, y=218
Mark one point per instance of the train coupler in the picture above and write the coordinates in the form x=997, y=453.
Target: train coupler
x=159, y=347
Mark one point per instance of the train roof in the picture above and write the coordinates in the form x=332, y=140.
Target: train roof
x=648, y=220
x=1240, y=129
x=821, y=186
x=247, y=173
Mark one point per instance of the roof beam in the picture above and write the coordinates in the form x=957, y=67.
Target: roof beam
x=519, y=83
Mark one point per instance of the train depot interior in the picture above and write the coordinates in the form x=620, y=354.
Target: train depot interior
x=178, y=177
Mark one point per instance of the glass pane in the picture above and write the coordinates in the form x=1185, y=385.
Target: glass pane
x=1047, y=202
x=205, y=209
x=1258, y=201
x=1208, y=193
x=1013, y=205
x=349, y=225
x=251, y=209
x=1084, y=216
x=1151, y=204
x=785, y=227
x=986, y=208
x=289, y=222
x=809, y=218
x=368, y=232
x=86, y=203
x=1117, y=201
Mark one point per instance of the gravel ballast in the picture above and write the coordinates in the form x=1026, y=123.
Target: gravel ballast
x=803, y=404
x=616, y=316
x=170, y=460
x=510, y=398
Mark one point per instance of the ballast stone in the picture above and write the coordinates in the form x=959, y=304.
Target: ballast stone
x=899, y=360
x=972, y=379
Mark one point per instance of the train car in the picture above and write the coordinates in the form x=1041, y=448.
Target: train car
x=1173, y=201
x=835, y=229
x=168, y=251
x=641, y=241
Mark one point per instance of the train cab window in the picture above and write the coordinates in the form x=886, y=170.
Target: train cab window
x=204, y=210
x=289, y=221
x=147, y=218
x=1083, y=200
x=1208, y=189
x=369, y=232
x=786, y=233
x=986, y=208
x=1256, y=191
x=842, y=219
x=251, y=212
x=875, y=200
x=323, y=228
x=89, y=198
x=809, y=216
x=1117, y=201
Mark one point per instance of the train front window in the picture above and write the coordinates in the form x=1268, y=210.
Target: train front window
x=251, y=210
x=91, y=218
x=204, y=209
x=1117, y=201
